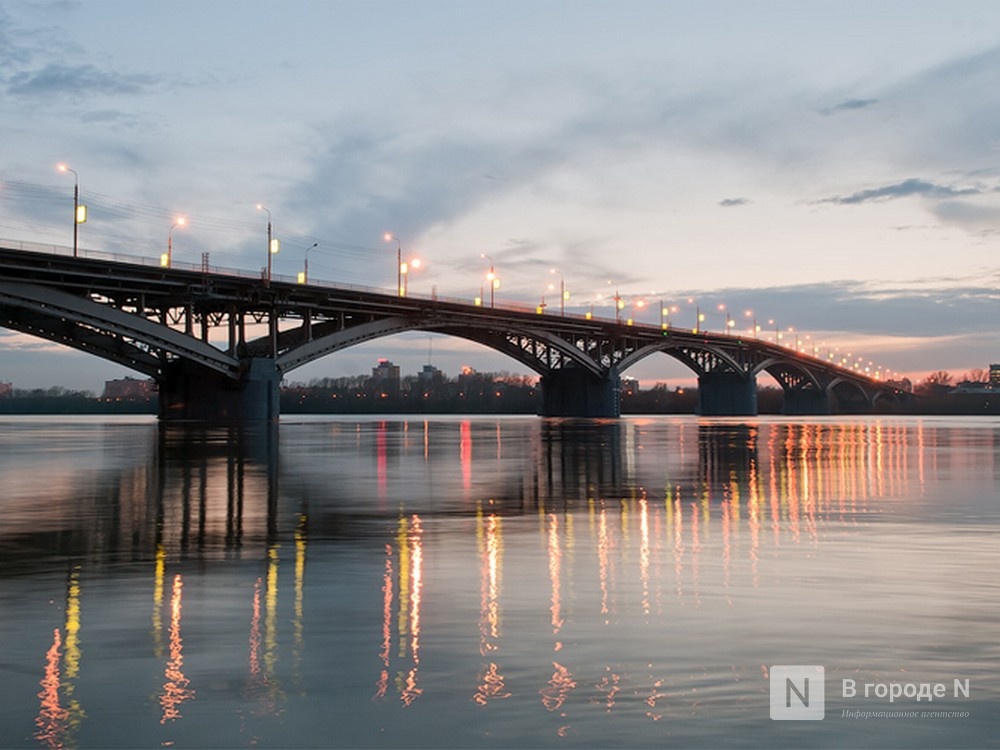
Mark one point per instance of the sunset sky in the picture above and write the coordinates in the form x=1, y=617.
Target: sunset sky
x=831, y=166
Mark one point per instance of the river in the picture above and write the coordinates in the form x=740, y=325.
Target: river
x=500, y=582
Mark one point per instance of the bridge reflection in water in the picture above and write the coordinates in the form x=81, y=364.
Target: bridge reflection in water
x=633, y=518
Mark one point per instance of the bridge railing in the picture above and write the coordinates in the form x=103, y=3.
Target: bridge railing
x=37, y=247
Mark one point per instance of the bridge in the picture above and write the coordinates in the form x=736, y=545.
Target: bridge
x=218, y=343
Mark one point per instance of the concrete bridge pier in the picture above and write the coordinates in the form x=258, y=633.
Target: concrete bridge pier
x=805, y=402
x=190, y=392
x=727, y=394
x=574, y=392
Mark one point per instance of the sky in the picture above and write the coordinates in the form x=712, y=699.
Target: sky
x=833, y=167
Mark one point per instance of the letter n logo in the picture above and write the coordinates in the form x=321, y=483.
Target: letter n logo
x=797, y=693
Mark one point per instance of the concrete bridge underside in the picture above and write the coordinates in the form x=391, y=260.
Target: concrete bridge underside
x=218, y=345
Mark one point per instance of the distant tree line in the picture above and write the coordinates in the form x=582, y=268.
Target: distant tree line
x=469, y=393
x=58, y=400
x=496, y=393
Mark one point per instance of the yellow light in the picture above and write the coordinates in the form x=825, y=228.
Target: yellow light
x=565, y=295
x=478, y=302
x=301, y=277
x=496, y=283
x=589, y=315
x=404, y=268
x=81, y=214
x=275, y=246
x=628, y=322
x=415, y=262
x=701, y=317
x=539, y=309
x=164, y=260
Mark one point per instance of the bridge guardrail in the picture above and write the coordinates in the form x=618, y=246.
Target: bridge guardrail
x=62, y=250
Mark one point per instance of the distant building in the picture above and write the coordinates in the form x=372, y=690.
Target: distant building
x=385, y=371
x=967, y=387
x=428, y=373
x=629, y=386
x=6, y=390
x=994, y=374
x=128, y=389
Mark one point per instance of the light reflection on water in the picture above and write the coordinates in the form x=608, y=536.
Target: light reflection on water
x=501, y=582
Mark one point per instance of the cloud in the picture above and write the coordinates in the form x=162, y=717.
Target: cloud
x=730, y=202
x=984, y=218
x=77, y=81
x=904, y=189
x=849, y=104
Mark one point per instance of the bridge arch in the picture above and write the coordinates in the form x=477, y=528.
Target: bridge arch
x=538, y=350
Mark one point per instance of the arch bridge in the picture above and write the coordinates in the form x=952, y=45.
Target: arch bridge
x=218, y=343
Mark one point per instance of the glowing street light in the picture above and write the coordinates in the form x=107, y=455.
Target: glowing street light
x=79, y=212
x=273, y=245
x=167, y=258
x=389, y=237
x=404, y=271
x=491, y=277
x=637, y=307
x=304, y=276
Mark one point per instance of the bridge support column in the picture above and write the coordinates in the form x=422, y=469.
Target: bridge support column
x=803, y=402
x=190, y=392
x=577, y=393
x=727, y=394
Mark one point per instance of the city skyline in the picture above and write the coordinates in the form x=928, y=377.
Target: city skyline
x=829, y=167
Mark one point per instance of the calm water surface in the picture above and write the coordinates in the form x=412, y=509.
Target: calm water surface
x=494, y=582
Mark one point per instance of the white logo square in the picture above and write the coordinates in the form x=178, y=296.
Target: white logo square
x=797, y=693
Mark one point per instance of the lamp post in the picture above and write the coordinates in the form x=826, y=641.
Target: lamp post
x=304, y=276
x=168, y=259
x=563, y=294
x=404, y=272
x=79, y=212
x=389, y=237
x=491, y=277
x=273, y=245
x=619, y=304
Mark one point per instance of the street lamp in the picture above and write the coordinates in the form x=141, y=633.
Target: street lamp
x=304, y=276
x=637, y=307
x=619, y=303
x=404, y=272
x=389, y=237
x=492, y=278
x=79, y=212
x=273, y=245
x=563, y=294
x=167, y=259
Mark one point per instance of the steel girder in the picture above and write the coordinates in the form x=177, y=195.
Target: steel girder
x=90, y=326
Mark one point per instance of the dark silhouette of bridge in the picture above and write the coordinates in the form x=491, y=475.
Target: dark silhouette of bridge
x=218, y=343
